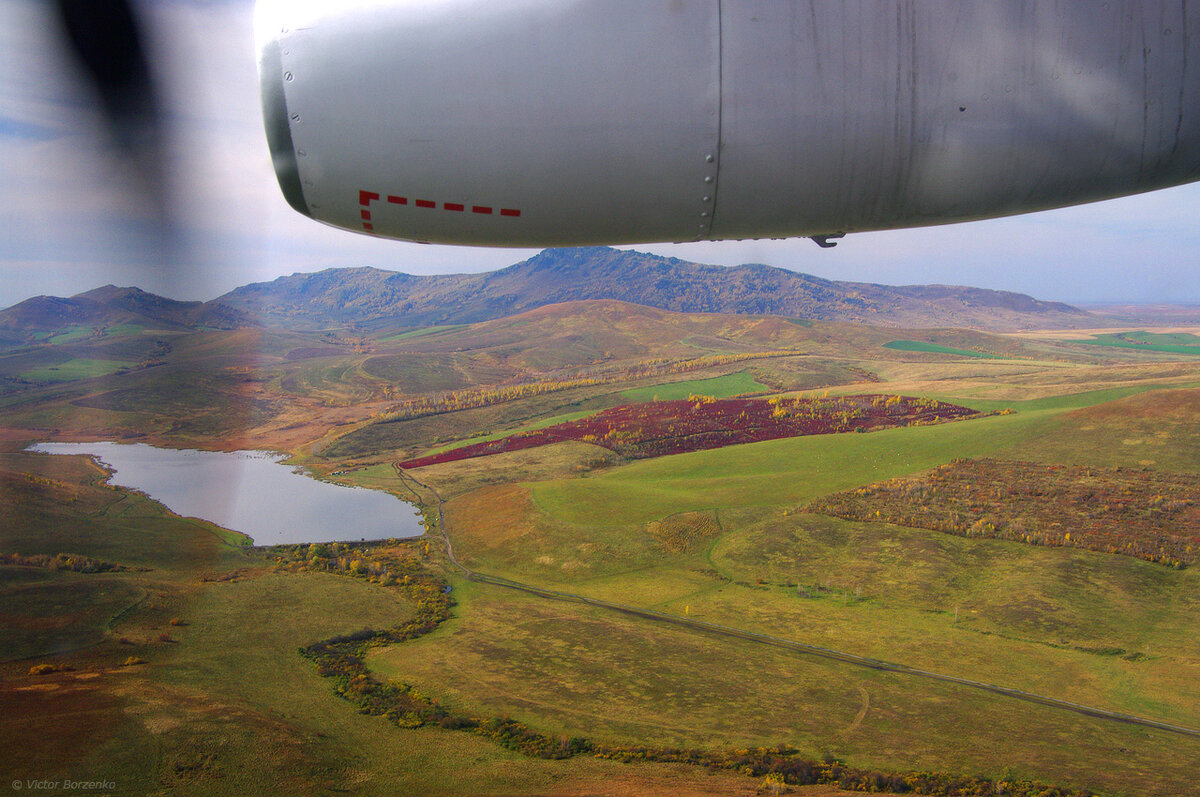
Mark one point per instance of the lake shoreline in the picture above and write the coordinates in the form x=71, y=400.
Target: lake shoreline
x=256, y=494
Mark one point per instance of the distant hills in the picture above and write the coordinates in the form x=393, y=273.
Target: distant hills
x=370, y=296
x=112, y=306
x=374, y=298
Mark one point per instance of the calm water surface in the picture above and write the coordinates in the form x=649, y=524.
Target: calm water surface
x=251, y=492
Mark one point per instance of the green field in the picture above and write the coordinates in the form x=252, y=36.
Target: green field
x=422, y=332
x=70, y=335
x=736, y=384
x=76, y=368
x=123, y=330
x=774, y=472
x=528, y=427
x=1170, y=343
x=937, y=348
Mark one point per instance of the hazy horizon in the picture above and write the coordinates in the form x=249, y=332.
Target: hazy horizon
x=1079, y=303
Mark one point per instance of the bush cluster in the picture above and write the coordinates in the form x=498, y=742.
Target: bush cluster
x=792, y=768
x=74, y=562
x=471, y=398
x=1140, y=513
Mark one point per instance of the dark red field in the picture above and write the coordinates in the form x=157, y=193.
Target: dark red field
x=658, y=428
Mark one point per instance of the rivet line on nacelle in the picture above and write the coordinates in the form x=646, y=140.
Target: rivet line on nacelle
x=705, y=224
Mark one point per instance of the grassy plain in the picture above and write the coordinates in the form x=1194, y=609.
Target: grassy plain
x=76, y=368
x=735, y=384
x=937, y=348
x=224, y=704
x=418, y=333
x=570, y=670
x=1171, y=343
x=70, y=335
x=774, y=472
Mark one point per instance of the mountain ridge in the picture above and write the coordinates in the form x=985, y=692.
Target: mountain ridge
x=378, y=298
x=369, y=295
x=110, y=305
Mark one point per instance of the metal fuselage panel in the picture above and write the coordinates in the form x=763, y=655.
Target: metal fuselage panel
x=865, y=115
x=568, y=122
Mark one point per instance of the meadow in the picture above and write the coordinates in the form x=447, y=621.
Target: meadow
x=936, y=348
x=1171, y=343
x=186, y=660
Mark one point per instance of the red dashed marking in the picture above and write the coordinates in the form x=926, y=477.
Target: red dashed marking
x=365, y=198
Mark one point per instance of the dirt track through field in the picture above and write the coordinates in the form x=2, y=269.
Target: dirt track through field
x=778, y=642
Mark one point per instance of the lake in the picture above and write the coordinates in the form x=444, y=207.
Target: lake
x=251, y=492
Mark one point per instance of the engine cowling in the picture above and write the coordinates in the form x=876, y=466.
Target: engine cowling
x=571, y=122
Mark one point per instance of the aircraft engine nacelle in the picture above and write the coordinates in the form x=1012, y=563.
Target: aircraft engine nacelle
x=571, y=122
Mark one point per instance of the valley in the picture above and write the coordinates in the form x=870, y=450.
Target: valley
x=667, y=550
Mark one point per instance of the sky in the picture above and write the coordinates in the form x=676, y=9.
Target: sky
x=73, y=216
